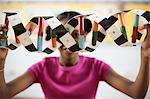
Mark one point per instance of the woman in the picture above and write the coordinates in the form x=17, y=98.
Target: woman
x=73, y=76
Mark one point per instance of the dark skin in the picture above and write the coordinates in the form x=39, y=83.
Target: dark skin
x=3, y=28
x=135, y=89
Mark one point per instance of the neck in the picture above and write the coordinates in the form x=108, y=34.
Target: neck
x=69, y=61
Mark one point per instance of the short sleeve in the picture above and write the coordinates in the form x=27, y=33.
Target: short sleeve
x=103, y=70
x=36, y=70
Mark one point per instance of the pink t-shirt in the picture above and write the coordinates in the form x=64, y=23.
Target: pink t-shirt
x=76, y=82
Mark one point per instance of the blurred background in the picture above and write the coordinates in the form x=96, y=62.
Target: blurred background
x=125, y=60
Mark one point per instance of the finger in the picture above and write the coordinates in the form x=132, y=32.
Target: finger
x=3, y=48
x=146, y=43
x=2, y=36
x=3, y=28
x=3, y=52
x=147, y=26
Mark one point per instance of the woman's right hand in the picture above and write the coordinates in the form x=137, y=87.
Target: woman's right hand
x=3, y=54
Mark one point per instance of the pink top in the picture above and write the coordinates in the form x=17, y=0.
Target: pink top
x=76, y=82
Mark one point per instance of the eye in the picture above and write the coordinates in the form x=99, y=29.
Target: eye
x=75, y=34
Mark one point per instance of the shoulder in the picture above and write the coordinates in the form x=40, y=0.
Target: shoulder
x=98, y=63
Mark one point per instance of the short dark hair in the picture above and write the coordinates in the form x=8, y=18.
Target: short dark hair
x=67, y=15
x=70, y=14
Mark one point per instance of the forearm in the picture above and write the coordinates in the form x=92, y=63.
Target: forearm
x=141, y=83
x=3, y=87
x=2, y=84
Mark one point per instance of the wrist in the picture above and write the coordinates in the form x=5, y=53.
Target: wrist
x=1, y=67
x=1, y=64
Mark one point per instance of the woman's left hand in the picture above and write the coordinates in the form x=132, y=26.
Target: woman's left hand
x=145, y=48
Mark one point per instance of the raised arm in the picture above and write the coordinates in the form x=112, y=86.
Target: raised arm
x=139, y=87
x=8, y=90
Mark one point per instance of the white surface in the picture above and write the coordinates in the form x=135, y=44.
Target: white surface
x=125, y=61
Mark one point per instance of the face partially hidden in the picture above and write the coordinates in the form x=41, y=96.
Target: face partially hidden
x=65, y=52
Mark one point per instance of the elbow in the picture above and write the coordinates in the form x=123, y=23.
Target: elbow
x=139, y=94
x=4, y=93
